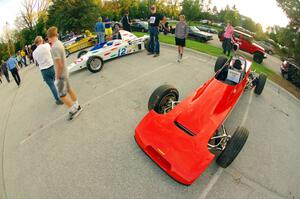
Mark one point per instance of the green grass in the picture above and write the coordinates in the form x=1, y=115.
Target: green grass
x=211, y=50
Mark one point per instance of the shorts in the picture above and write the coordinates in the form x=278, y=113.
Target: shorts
x=108, y=31
x=63, y=87
x=180, y=42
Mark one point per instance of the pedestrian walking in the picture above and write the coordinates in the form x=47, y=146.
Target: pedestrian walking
x=42, y=56
x=23, y=55
x=181, y=33
x=227, y=39
x=19, y=59
x=12, y=67
x=5, y=70
x=100, y=29
x=108, y=28
x=126, y=22
x=62, y=74
x=154, y=21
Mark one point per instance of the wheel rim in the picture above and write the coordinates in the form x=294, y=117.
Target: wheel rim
x=166, y=104
x=96, y=64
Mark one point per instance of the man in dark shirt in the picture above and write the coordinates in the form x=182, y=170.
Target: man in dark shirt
x=126, y=22
x=154, y=21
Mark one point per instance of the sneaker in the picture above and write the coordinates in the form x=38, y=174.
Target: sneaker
x=150, y=53
x=59, y=102
x=73, y=115
x=156, y=55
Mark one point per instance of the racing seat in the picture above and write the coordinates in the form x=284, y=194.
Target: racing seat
x=234, y=73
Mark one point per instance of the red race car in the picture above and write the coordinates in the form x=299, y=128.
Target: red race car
x=184, y=137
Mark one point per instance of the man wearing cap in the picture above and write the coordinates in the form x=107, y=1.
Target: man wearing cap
x=154, y=21
x=42, y=56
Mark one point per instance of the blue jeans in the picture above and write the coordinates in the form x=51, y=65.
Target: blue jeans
x=154, y=42
x=49, y=77
x=101, y=37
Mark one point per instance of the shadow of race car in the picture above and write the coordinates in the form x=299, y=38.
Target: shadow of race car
x=183, y=138
x=125, y=43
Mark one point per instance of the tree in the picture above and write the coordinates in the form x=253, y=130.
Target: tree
x=291, y=35
x=232, y=15
x=292, y=9
x=75, y=15
x=191, y=9
x=30, y=13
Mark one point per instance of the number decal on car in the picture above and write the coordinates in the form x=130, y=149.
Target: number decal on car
x=122, y=51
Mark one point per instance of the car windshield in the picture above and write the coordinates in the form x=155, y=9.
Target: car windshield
x=194, y=29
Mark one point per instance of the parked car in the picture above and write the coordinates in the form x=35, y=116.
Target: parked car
x=289, y=69
x=126, y=43
x=140, y=26
x=269, y=48
x=196, y=34
x=207, y=29
x=84, y=41
x=246, y=44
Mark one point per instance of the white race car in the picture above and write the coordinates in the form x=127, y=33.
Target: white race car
x=126, y=43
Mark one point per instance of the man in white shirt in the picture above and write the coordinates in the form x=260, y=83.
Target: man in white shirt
x=42, y=55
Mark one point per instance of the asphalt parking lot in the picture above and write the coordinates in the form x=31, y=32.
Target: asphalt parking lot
x=44, y=156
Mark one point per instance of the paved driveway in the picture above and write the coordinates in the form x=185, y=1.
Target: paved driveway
x=44, y=156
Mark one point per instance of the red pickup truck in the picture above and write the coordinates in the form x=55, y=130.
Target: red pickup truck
x=246, y=44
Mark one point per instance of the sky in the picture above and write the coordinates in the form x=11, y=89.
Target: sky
x=265, y=12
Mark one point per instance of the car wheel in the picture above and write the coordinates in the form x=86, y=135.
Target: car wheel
x=260, y=84
x=233, y=147
x=67, y=53
x=81, y=53
x=147, y=45
x=285, y=76
x=94, y=64
x=220, y=63
x=258, y=58
x=161, y=99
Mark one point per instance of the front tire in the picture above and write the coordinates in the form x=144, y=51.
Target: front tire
x=221, y=61
x=160, y=99
x=260, y=84
x=94, y=64
x=258, y=58
x=234, y=146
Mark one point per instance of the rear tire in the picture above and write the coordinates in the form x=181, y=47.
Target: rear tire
x=258, y=58
x=81, y=53
x=160, y=97
x=147, y=45
x=234, y=146
x=220, y=63
x=260, y=84
x=94, y=64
